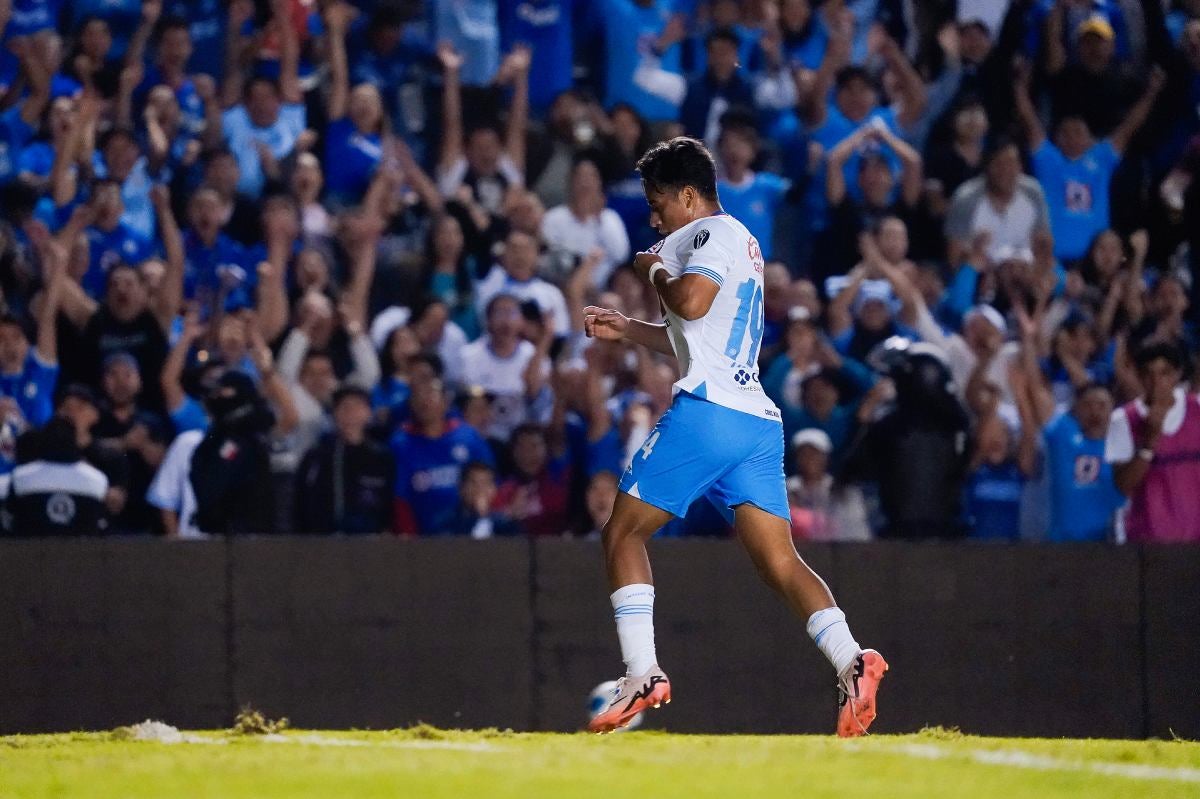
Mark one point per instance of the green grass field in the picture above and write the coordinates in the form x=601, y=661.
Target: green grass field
x=424, y=762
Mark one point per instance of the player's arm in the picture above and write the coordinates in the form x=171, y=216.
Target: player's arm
x=688, y=296
x=609, y=325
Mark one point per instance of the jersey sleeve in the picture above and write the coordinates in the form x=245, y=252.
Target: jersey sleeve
x=1047, y=160
x=166, y=491
x=480, y=451
x=1056, y=430
x=712, y=253
x=1106, y=155
x=1118, y=444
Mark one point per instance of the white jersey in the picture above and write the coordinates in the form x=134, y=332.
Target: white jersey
x=172, y=487
x=718, y=353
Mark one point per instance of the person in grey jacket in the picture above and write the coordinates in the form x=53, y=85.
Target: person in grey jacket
x=1004, y=202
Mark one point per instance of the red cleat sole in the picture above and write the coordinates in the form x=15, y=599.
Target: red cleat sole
x=856, y=715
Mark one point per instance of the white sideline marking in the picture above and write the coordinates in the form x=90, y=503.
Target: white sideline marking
x=1019, y=759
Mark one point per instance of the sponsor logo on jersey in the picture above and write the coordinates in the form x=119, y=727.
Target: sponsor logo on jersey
x=701, y=239
x=747, y=379
x=755, y=253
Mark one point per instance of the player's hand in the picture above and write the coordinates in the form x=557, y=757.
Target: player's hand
x=643, y=262
x=604, y=323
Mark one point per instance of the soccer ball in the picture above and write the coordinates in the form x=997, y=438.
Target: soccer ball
x=601, y=696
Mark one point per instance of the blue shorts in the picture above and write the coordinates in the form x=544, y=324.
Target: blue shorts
x=699, y=448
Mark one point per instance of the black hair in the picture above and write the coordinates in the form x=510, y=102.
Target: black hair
x=1151, y=351
x=386, y=16
x=482, y=126
x=527, y=429
x=89, y=19
x=98, y=183
x=532, y=312
x=968, y=100
x=847, y=75
x=213, y=153
x=723, y=34
x=1069, y=115
x=740, y=122
x=56, y=441
x=315, y=353
x=1088, y=264
x=828, y=375
x=587, y=157
x=387, y=364
x=491, y=304
x=9, y=319
x=463, y=268
x=348, y=390
x=169, y=24
x=471, y=467
x=877, y=226
x=1075, y=320
x=431, y=359
x=257, y=79
x=995, y=146
x=118, y=132
x=117, y=267
x=18, y=199
x=1090, y=386
x=672, y=165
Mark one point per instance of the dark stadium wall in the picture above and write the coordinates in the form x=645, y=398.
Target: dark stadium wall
x=372, y=633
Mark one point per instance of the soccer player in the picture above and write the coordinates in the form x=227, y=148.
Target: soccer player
x=721, y=438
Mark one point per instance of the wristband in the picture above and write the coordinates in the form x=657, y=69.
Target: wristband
x=1146, y=454
x=654, y=270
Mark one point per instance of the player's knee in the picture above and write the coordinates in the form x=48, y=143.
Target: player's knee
x=616, y=531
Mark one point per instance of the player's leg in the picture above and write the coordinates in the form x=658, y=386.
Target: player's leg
x=624, y=537
x=756, y=491
x=665, y=477
x=768, y=539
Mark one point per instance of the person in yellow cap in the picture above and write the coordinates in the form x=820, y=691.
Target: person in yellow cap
x=1091, y=81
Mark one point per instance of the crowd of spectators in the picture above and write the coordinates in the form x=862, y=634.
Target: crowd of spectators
x=317, y=267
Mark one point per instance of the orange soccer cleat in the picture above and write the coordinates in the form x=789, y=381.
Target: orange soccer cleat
x=856, y=693
x=631, y=696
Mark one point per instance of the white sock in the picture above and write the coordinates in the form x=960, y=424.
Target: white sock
x=831, y=634
x=633, y=608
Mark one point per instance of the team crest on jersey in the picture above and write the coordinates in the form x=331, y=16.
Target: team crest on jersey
x=60, y=508
x=700, y=240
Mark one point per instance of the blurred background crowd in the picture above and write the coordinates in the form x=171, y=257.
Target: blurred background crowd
x=318, y=267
